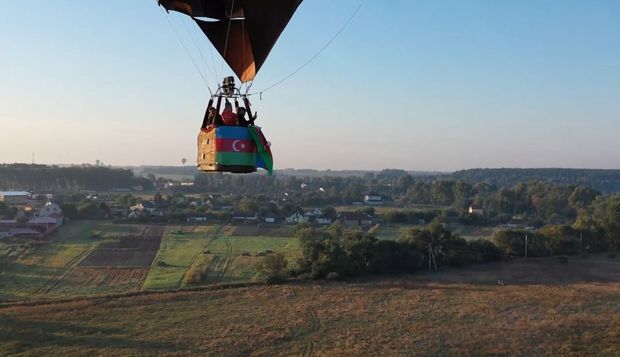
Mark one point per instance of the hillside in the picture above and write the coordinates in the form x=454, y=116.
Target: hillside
x=545, y=308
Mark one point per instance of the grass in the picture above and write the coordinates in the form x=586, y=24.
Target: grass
x=29, y=274
x=242, y=268
x=183, y=253
x=472, y=232
x=390, y=232
x=177, y=252
x=454, y=312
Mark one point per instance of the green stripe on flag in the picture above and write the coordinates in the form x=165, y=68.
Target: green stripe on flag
x=236, y=158
x=262, y=151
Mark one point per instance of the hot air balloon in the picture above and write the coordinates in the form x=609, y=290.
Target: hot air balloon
x=243, y=32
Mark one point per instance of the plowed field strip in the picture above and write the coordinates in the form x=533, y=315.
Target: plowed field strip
x=141, y=256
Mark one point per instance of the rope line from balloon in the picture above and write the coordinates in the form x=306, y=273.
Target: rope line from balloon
x=189, y=54
x=311, y=59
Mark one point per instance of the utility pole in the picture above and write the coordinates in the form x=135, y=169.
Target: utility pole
x=526, y=246
x=431, y=257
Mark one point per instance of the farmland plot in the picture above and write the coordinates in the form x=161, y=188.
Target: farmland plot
x=28, y=270
x=133, y=252
x=87, y=280
x=177, y=253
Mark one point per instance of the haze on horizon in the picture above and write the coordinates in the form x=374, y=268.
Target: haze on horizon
x=422, y=85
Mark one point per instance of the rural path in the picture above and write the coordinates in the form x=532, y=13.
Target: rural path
x=216, y=271
x=314, y=326
x=227, y=259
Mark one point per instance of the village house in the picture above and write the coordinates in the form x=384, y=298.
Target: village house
x=145, y=207
x=245, y=217
x=355, y=219
x=323, y=220
x=270, y=218
x=45, y=224
x=49, y=209
x=476, y=209
x=373, y=198
x=297, y=218
x=14, y=197
x=197, y=219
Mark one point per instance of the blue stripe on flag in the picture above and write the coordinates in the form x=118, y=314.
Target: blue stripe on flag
x=233, y=132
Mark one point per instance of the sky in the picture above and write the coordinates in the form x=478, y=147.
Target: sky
x=411, y=84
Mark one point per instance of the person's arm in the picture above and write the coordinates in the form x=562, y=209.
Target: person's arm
x=251, y=117
x=205, y=120
x=236, y=105
x=218, y=120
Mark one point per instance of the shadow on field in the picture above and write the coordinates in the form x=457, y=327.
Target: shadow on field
x=16, y=334
x=536, y=271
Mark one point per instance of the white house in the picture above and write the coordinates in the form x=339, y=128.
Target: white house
x=49, y=209
x=323, y=220
x=296, y=219
x=476, y=209
x=373, y=198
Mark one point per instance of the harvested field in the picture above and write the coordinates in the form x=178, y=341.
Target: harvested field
x=136, y=252
x=206, y=229
x=262, y=231
x=410, y=315
x=101, y=279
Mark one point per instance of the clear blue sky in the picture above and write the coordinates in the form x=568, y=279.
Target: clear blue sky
x=421, y=85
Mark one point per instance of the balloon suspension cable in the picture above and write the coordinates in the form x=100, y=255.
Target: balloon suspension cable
x=189, y=54
x=232, y=8
x=202, y=57
x=311, y=59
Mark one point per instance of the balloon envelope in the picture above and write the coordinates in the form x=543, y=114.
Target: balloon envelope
x=242, y=31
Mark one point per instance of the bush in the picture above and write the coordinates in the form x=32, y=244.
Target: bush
x=333, y=276
x=192, y=277
x=272, y=268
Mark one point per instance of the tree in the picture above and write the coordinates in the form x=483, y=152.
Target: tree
x=272, y=268
x=69, y=210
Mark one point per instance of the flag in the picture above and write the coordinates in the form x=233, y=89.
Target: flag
x=265, y=158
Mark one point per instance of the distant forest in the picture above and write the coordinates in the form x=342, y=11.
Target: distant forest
x=74, y=178
x=600, y=180
x=347, y=185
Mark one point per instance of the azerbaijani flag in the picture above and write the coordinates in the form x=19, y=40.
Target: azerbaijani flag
x=265, y=158
x=242, y=146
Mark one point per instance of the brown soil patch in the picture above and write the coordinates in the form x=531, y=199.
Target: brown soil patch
x=134, y=252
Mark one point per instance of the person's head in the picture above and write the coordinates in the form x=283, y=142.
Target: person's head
x=212, y=111
x=228, y=107
x=241, y=111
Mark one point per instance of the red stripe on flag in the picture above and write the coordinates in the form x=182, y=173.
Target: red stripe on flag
x=263, y=140
x=234, y=145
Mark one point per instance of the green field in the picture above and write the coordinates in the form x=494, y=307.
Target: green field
x=177, y=251
x=34, y=267
x=216, y=256
x=49, y=268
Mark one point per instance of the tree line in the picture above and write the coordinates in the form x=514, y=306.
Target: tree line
x=43, y=178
